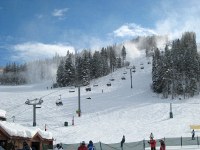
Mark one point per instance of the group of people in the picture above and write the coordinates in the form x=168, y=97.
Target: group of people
x=83, y=146
x=152, y=143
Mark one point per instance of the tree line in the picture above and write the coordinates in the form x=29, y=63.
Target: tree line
x=81, y=68
x=31, y=72
x=13, y=74
x=175, y=70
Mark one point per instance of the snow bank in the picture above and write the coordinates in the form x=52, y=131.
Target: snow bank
x=14, y=129
x=2, y=113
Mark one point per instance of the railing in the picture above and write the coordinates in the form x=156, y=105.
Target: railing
x=140, y=145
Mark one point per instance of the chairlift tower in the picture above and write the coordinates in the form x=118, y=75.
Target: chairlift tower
x=79, y=102
x=34, y=102
x=131, y=75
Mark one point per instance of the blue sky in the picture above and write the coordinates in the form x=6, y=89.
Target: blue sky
x=40, y=28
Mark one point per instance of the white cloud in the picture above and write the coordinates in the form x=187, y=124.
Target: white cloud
x=132, y=30
x=34, y=51
x=177, y=21
x=172, y=21
x=59, y=12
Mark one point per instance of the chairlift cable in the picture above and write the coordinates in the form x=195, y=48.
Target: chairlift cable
x=20, y=112
x=11, y=108
x=52, y=93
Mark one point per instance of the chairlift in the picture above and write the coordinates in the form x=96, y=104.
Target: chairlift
x=88, y=89
x=108, y=84
x=125, y=72
x=123, y=78
x=142, y=67
x=134, y=71
x=85, y=83
x=88, y=98
x=112, y=79
x=72, y=89
x=59, y=102
x=94, y=85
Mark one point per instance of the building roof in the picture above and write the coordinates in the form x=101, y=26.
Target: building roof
x=2, y=113
x=16, y=130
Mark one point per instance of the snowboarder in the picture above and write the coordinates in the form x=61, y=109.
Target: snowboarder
x=122, y=141
x=91, y=146
x=82, y=146
x=193, y=134
x=162, y=145
x=152, y=143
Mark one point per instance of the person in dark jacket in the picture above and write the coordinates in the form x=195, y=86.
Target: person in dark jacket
x=122, y=141
x=193, y=134
x=91, y=146
x=162, y=145
x=25, y=146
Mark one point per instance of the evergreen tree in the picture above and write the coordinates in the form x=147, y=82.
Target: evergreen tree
x=97, y=66
x=177, y=70
x=69, y=74
x=85, y=67
x=61, y=74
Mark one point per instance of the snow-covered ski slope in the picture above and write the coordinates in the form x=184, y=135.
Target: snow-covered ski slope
x=107, y=116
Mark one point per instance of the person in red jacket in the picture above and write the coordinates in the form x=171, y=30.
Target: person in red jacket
x=152, y=143
x=162, y=145
x=82, y=146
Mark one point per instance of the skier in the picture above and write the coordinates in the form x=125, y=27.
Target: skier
x=122, y=141
x=193, y=134
x=82, y=146
x=91, y=146
x=152, y=143
x=162, y=145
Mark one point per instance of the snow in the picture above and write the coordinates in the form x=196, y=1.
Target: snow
x=14, y=129
x=2, y=113
x=110, y=113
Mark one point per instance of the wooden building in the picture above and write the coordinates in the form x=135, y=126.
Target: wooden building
x=12, y=134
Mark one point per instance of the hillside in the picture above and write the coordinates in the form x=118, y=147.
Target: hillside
x=118, y=111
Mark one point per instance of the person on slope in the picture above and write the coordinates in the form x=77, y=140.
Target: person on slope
x=58, y=147
x=152, y=143
x=82, y=146
x=162, y=145
x=193, y=134
x=91, y=146
x=122, y=142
